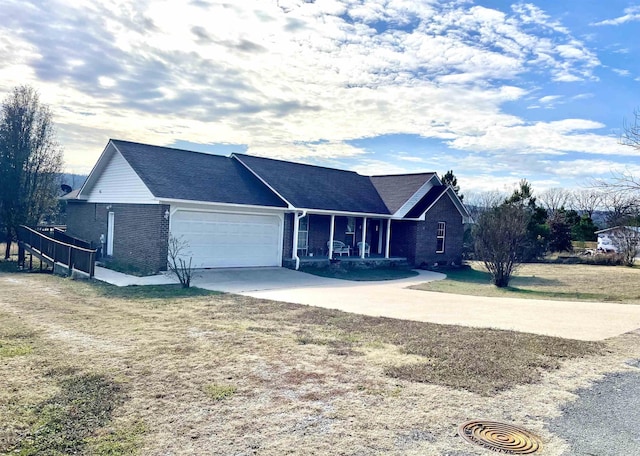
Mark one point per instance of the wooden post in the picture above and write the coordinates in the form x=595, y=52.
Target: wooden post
x=20, y=254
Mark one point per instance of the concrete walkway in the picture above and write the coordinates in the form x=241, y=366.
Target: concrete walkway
x=568, y=319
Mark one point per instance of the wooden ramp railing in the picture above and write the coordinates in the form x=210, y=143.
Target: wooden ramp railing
x=56, y=250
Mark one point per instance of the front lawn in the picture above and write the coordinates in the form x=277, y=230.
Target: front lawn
x=88, y=368
x=572, y=282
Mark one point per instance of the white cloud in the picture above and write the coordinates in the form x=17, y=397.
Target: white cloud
x=292, y=79
x=621, y=72
x=549, y=138
x=630, y=14
x=550, y=99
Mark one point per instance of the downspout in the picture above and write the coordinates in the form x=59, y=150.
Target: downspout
x=296, y=229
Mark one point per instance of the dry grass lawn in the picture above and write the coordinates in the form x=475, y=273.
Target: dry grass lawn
x=574, y=282
x=87, y=368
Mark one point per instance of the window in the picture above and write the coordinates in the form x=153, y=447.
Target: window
x=440, y=237
x=303, y=236
x=351, y=225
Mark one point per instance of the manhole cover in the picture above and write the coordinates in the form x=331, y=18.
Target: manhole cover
x=499, y=437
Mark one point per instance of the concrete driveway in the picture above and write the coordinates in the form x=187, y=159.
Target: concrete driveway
x=568, y=319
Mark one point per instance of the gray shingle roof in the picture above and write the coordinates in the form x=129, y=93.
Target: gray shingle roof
x=315, y=187
x=396, y=189
x=182, y=174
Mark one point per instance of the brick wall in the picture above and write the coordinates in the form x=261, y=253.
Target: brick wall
x=425, y=250
x=403, y=240
x=287, y=239
x=319, y=226
x=140, y=232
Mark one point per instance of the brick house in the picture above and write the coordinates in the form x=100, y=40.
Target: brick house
x=246, y=211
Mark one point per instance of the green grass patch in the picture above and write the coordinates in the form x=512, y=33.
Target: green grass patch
x=149, y=292
x=123, y=441
x=361, y=275
x=9, y=348
x=15, y=339
x=219, y=392
x=65, y=422
x=567, y=282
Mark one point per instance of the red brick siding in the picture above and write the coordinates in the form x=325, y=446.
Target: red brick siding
x=140, y=231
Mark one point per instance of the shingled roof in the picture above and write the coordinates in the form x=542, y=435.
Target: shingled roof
x=316, y=187
x=186, y=175
x=396, y=189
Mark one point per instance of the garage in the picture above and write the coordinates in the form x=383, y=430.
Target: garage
x=228, y=240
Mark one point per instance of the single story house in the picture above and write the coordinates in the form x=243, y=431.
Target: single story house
x=609, y=239
x=248, y=211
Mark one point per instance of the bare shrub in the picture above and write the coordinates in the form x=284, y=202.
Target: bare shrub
x=178, y=264
x=500, y=236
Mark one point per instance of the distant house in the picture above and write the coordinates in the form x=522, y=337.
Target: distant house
x=609, y=240
x=247, y=211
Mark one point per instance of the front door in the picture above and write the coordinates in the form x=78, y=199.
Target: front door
x=110, y=220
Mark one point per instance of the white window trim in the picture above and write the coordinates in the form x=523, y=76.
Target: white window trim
x=441, y=236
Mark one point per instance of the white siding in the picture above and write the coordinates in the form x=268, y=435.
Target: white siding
x=417, y=196
x=119, y=183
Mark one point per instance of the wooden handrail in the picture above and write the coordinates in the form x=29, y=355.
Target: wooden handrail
x=84, y=258
x=57, y=241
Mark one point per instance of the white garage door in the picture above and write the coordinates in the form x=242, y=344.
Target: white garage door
x=226, y=240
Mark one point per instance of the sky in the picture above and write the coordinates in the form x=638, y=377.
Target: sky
x=496, y=91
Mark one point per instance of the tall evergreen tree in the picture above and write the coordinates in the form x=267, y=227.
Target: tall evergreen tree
x=450, y=179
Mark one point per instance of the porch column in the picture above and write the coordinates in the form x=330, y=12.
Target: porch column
x=364, y=236
x=296, y=229
x=386, y=250
x=379, y=236
x=331, y=230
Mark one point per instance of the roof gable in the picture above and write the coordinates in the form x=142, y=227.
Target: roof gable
x=397, y=189
x=185, y=175
x=315, y=187
x=432, y=197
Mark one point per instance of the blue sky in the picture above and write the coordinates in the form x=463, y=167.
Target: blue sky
x=496, y=91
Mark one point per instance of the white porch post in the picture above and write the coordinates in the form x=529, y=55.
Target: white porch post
x=331, y=230
x=386, y=250
x=364, y=236
x=296, y=230
x=380, y=237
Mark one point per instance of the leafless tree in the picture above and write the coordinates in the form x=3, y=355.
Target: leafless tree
x=500, y=236
x=621, y=205
x=477, y=203
x=178, y=263
x=631, y=131
x=586, y=200
x=30, y=161
x=554, y=198
x=627, y=240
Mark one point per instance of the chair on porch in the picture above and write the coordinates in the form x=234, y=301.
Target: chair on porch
x=339, y=248
x=367, y=249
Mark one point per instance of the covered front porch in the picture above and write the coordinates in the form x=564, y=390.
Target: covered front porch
x=321, y=237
